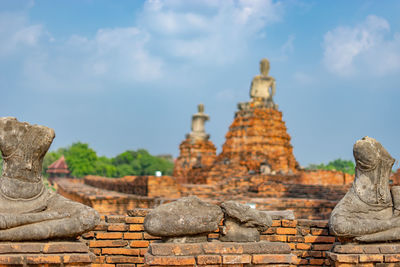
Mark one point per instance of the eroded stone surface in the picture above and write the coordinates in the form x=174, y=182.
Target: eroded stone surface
x=369, y=211
x=28, y=211
x=242, y=223
x=185, y=217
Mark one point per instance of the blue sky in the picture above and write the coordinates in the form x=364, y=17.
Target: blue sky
x=129, y=74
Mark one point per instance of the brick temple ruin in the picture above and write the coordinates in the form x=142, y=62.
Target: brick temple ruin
x=256, y=167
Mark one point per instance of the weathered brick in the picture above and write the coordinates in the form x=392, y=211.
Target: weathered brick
x=124, y=259
x=118, y=227
x=271, y=258
x=138, y=220
x=371, y=258
x=209, y=259
x=289, y=223
x=138, y=212
x=64, y=247
x=107, y=243
x=348, y=249
x=344, y=258
x=11, y=248
x=136, y=227
x=276, y=223
x=139, y=244
x=297, y=239
x=319, y=231
x=120, y=251
x=11, y=259
x=108, y=235
x=77, y=258
x=274, y=238
x=371, y=249
x=236, y=259
x=286, y=231
x=115, y=219
x=133, y=236
x=316, y=261
x=148, y=236
x=169, y=260
x=177, y=249
x=41, y=259
x=222, y=248
x=392, y=258
x=323, y=247
x=303, y=246
x=101, y=227
x=319, y=239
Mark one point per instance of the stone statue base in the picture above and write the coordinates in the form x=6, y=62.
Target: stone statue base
x=220, y=254
x=45, y=253
x=378, y=254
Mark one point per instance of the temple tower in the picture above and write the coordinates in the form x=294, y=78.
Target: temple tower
x=257, y=140
x=197, y=153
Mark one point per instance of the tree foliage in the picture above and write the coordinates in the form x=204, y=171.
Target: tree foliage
x=82, y=161
x=346, y=166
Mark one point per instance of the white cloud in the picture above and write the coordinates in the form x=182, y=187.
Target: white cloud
x=362, y=48
x=208, y=31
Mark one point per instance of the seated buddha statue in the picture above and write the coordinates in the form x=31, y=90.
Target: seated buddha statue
x=368, y=212
x=28, y=210
x=263, y=86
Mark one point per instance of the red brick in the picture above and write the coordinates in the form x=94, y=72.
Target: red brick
x=11, y=248
x=138, y=220
x=148, y=236
x=319, y=231
x=319, y=239
x=303, y=246
x=108, y=235
x=168, y=260
x=115, y=218
x=88, y=235
x=317, y=261
x=274, y=238
x=118, y=227
x=286, y=231
x=271, y=258
x=120, y=251
x=325, y=247
x=107, y=243
x=136, y=227
x=209, y=259
x=236, y=259
x=101, y=227
x=289, y=223
x=139, y=244
x=346, y=258
x=133, y=236
x=276, y=223
x=297, y=239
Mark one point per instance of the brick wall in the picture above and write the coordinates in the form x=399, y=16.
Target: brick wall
x=122, y=240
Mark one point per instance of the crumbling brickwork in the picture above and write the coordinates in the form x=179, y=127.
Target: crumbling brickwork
x=195, y=159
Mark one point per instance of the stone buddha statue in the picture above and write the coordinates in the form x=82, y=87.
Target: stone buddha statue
x=369, y=212
x=28, y=210
x=263, y=87
x=198, y=125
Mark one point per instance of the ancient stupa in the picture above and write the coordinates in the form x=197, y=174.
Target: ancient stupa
x=257, y=140
x=197, y=152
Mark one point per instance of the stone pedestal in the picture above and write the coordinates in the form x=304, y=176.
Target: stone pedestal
x=220, y=253
x=45, y=253
x=379, y=255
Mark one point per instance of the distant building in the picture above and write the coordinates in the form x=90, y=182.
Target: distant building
x=59, y=168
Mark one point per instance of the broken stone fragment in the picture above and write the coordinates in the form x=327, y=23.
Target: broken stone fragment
x=242, y=223
x=187, y=217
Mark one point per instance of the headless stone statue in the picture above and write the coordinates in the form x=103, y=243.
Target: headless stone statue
x=198, y=122
x=29, y=211
x=263, y=87
x=369, y=212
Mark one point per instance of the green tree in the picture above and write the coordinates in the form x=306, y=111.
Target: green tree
x=104, y=167
x=346, y=166
x=81, y=159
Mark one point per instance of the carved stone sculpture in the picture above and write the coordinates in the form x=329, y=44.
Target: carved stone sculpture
x=263, y=87
x=198, y=122
x=242, y=223
x=29, y=211
x=369, y=212
x=186, y=220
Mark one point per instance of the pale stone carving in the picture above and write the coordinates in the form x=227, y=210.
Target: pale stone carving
x=369, y=211
x=187, y=220
x=29, y=211
x=263, y=87
x=198, y=125
x=242, y=223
